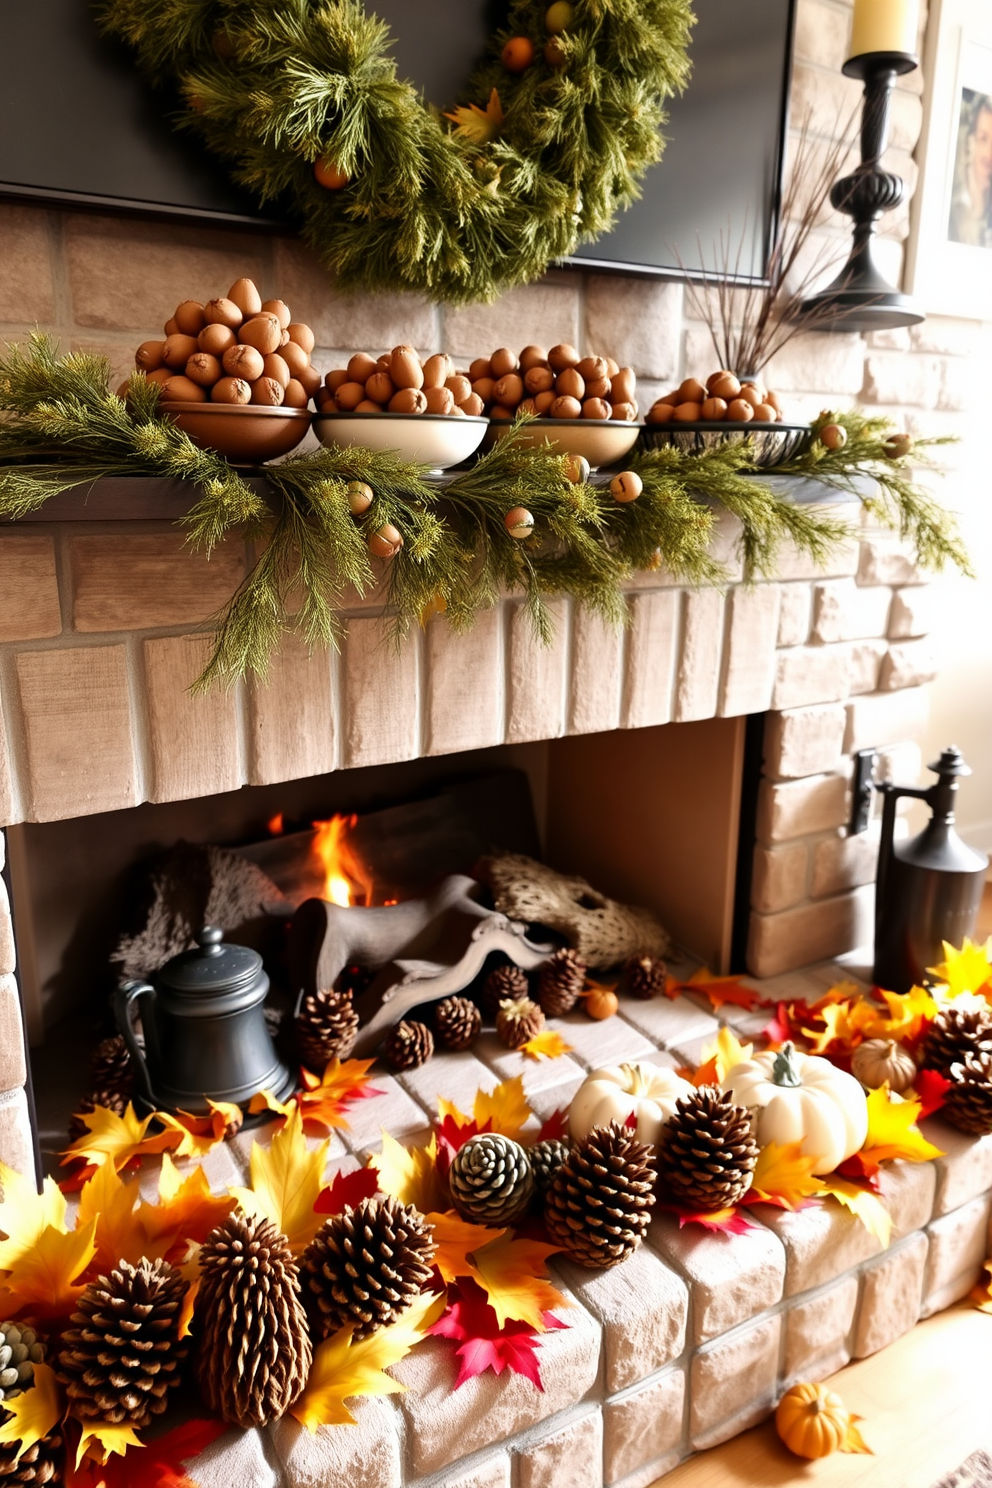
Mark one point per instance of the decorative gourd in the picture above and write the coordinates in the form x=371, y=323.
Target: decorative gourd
x=880, y=1061
x=600, y=1003
x=801, y=1098
x=812, y=1420
x=646, y=1091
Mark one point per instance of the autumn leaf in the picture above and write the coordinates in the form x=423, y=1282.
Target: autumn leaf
x=545, y=1045
x=456, y=1239
x=721, y=1057
x=483, y=1344
x=862, y=1203
x=966, y=970
x=910, y=1015
x=837, y=1029
x=783, y=1176
x=25, y=1214
x=286, y=1179
x=33, y=1413
x=107, y=1200
x=187, y=1211
x=853, y=1440
x=198, y=1135
x=343, y=1368
x=42, y=1283
x=728, y=1221
x=159, y=1465
x=505, y=1108
x=324, y=1099
x=892, y=1130
x=347, y=1190
x=116, y=1139
x=264, y=1100
x=930, y=1088
x=556, y=1127
x=453, y=1133
x=99, y=1440
x=722, y=990
x=476, y=124
x=514, y=1275
x=410, y=1174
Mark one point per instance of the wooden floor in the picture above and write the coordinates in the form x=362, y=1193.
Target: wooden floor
x=926, y=1403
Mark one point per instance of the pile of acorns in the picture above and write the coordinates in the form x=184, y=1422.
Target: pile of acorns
x=558, y=384
x=724, y=399
x=399, y=382
x=237, y=349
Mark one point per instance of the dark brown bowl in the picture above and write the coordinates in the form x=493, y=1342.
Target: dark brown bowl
x=245, y=433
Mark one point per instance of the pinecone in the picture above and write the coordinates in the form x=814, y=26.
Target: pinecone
x=112, y=1067
x=505, y=982
x=516, y=1022
x=123, y=1354
x=457, y=1021
x=968, y=1103
x=112, y=1099
x=254, y=1348
x=41, y=1463
x=545, y=1159
x=20, y=1351
x=490, y=1179
x=326, y=1028
x=365, y=1266
x=559, y=981
x=644, y=977
x=954, y=1033
x=408, y=1045
x=708, y=1153
x=599, y=1203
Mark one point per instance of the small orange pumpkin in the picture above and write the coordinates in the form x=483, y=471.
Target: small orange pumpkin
x=812, y=1420
x=600, y=1002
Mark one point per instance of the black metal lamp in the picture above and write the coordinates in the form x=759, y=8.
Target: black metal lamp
x=883, y=43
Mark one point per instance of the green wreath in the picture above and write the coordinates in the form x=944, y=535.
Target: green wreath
x=459, y=206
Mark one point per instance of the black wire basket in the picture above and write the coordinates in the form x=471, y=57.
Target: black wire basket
x=769, y=444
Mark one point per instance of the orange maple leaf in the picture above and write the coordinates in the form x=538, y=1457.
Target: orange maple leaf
x=456, y=1239
x=117, y=1139
x=476, y=124
x=322, y=1099
x=721, y=1057
x=547, y=1044
x=721, y=989
x=837, y=1028
x=505, y=1108
x=198, y=1135
x=783, y=1176
x=186, y=1211
x=45, y=1283
x=514, y=1275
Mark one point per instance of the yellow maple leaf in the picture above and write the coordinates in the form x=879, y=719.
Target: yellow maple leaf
x=853, y=1440
x=782, y=1175
x=42, y=1284
x=187, y=1210
x=456, y=1239
x=908, y=1015
x=286, y=1179
x=110, y=1202
x=410, y=1174
x=264, y=1100
x=981, y=1295
x=98, y=1441
x=966, y=970
x=545, y=1045
x=25, y=1214
x=116, y=1139
x=476, y=124
x=862, y=1203
x=837, y=1028
x=514, y=1275
x=343, y=1368
x=34, y=1413
x=447, y=1109
x=892, y=1130
x=721, y=1057
x=198, y=1135
x=506, y=1107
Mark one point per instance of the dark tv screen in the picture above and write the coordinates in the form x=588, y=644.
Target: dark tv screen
x=78, y=125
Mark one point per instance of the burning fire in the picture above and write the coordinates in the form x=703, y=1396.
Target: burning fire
x=345, y=878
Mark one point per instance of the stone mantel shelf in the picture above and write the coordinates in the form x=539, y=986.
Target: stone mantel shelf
x=148, y=498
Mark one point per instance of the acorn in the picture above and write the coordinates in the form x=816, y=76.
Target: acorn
x=558, y=17
x=327, y=174
x=519, y=522
x=833, y=436
x=518, y=54
x=626, y=486
x=386, y=542
x=897, y=446
x=360, y=497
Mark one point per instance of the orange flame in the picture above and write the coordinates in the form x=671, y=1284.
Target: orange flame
x=345, y=877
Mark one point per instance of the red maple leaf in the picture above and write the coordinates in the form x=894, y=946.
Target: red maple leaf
x=778, y=1031
x=451, y=1136
x=347, y=1189
x=931, y=1089
x=159, y=1463
x=721, y=1221
x=482, y=1344
x=862, y=1168
x=555, y=1129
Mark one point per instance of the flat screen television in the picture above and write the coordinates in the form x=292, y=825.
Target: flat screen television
x=79, y=126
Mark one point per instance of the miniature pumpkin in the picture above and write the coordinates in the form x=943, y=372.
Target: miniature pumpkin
x=645, y=1091
x=812, y=1420
x=600, y=1003
x=878, y=1062
x=802, y=1098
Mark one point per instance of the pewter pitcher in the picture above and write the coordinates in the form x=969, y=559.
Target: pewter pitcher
x=204, y=1027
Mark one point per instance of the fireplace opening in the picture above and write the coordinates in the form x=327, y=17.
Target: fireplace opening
x=661, y=817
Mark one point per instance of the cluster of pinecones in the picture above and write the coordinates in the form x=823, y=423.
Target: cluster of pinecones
x=958, y=1046
x=111, y=1083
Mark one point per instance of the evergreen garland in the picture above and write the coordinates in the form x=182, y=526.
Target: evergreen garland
x=460, y=213
x=63, y=427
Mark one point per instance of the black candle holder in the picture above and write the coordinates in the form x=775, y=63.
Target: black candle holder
x=861, y=298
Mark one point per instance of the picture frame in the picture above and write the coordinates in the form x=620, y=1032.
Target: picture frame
x=949, y=258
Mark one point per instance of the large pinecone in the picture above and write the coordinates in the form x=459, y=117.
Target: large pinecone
x=644, y=977
x=502, y=984
x=20, y=1351
x=490, y=1179
x=968, y=1103
x=365, y=1266
x=560, y=979
x=254, y=1349
x=545, y=1159
x=41, y=1463
x=599, y=1204
x=708, y=1153
x=954, y=1033
x=408, y=1045
x=326, y=1028
x=123, y=1353
x=457, y=1021
x=519, y=1021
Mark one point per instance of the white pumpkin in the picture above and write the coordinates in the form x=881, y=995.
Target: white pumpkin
x=646, y=1091
x=799, y=1097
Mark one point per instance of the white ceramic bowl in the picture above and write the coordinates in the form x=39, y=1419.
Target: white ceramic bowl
x=438, y=440
x=600, y=441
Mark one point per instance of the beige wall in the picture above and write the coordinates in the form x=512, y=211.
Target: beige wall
x=108, y=282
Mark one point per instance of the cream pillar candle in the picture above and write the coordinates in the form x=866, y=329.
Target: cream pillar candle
x=884, y=26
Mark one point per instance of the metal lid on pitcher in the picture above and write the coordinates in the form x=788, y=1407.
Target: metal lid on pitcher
x=212, y=968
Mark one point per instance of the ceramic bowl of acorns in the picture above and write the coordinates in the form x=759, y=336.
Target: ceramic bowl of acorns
x=725, y=409
x=234, y=374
